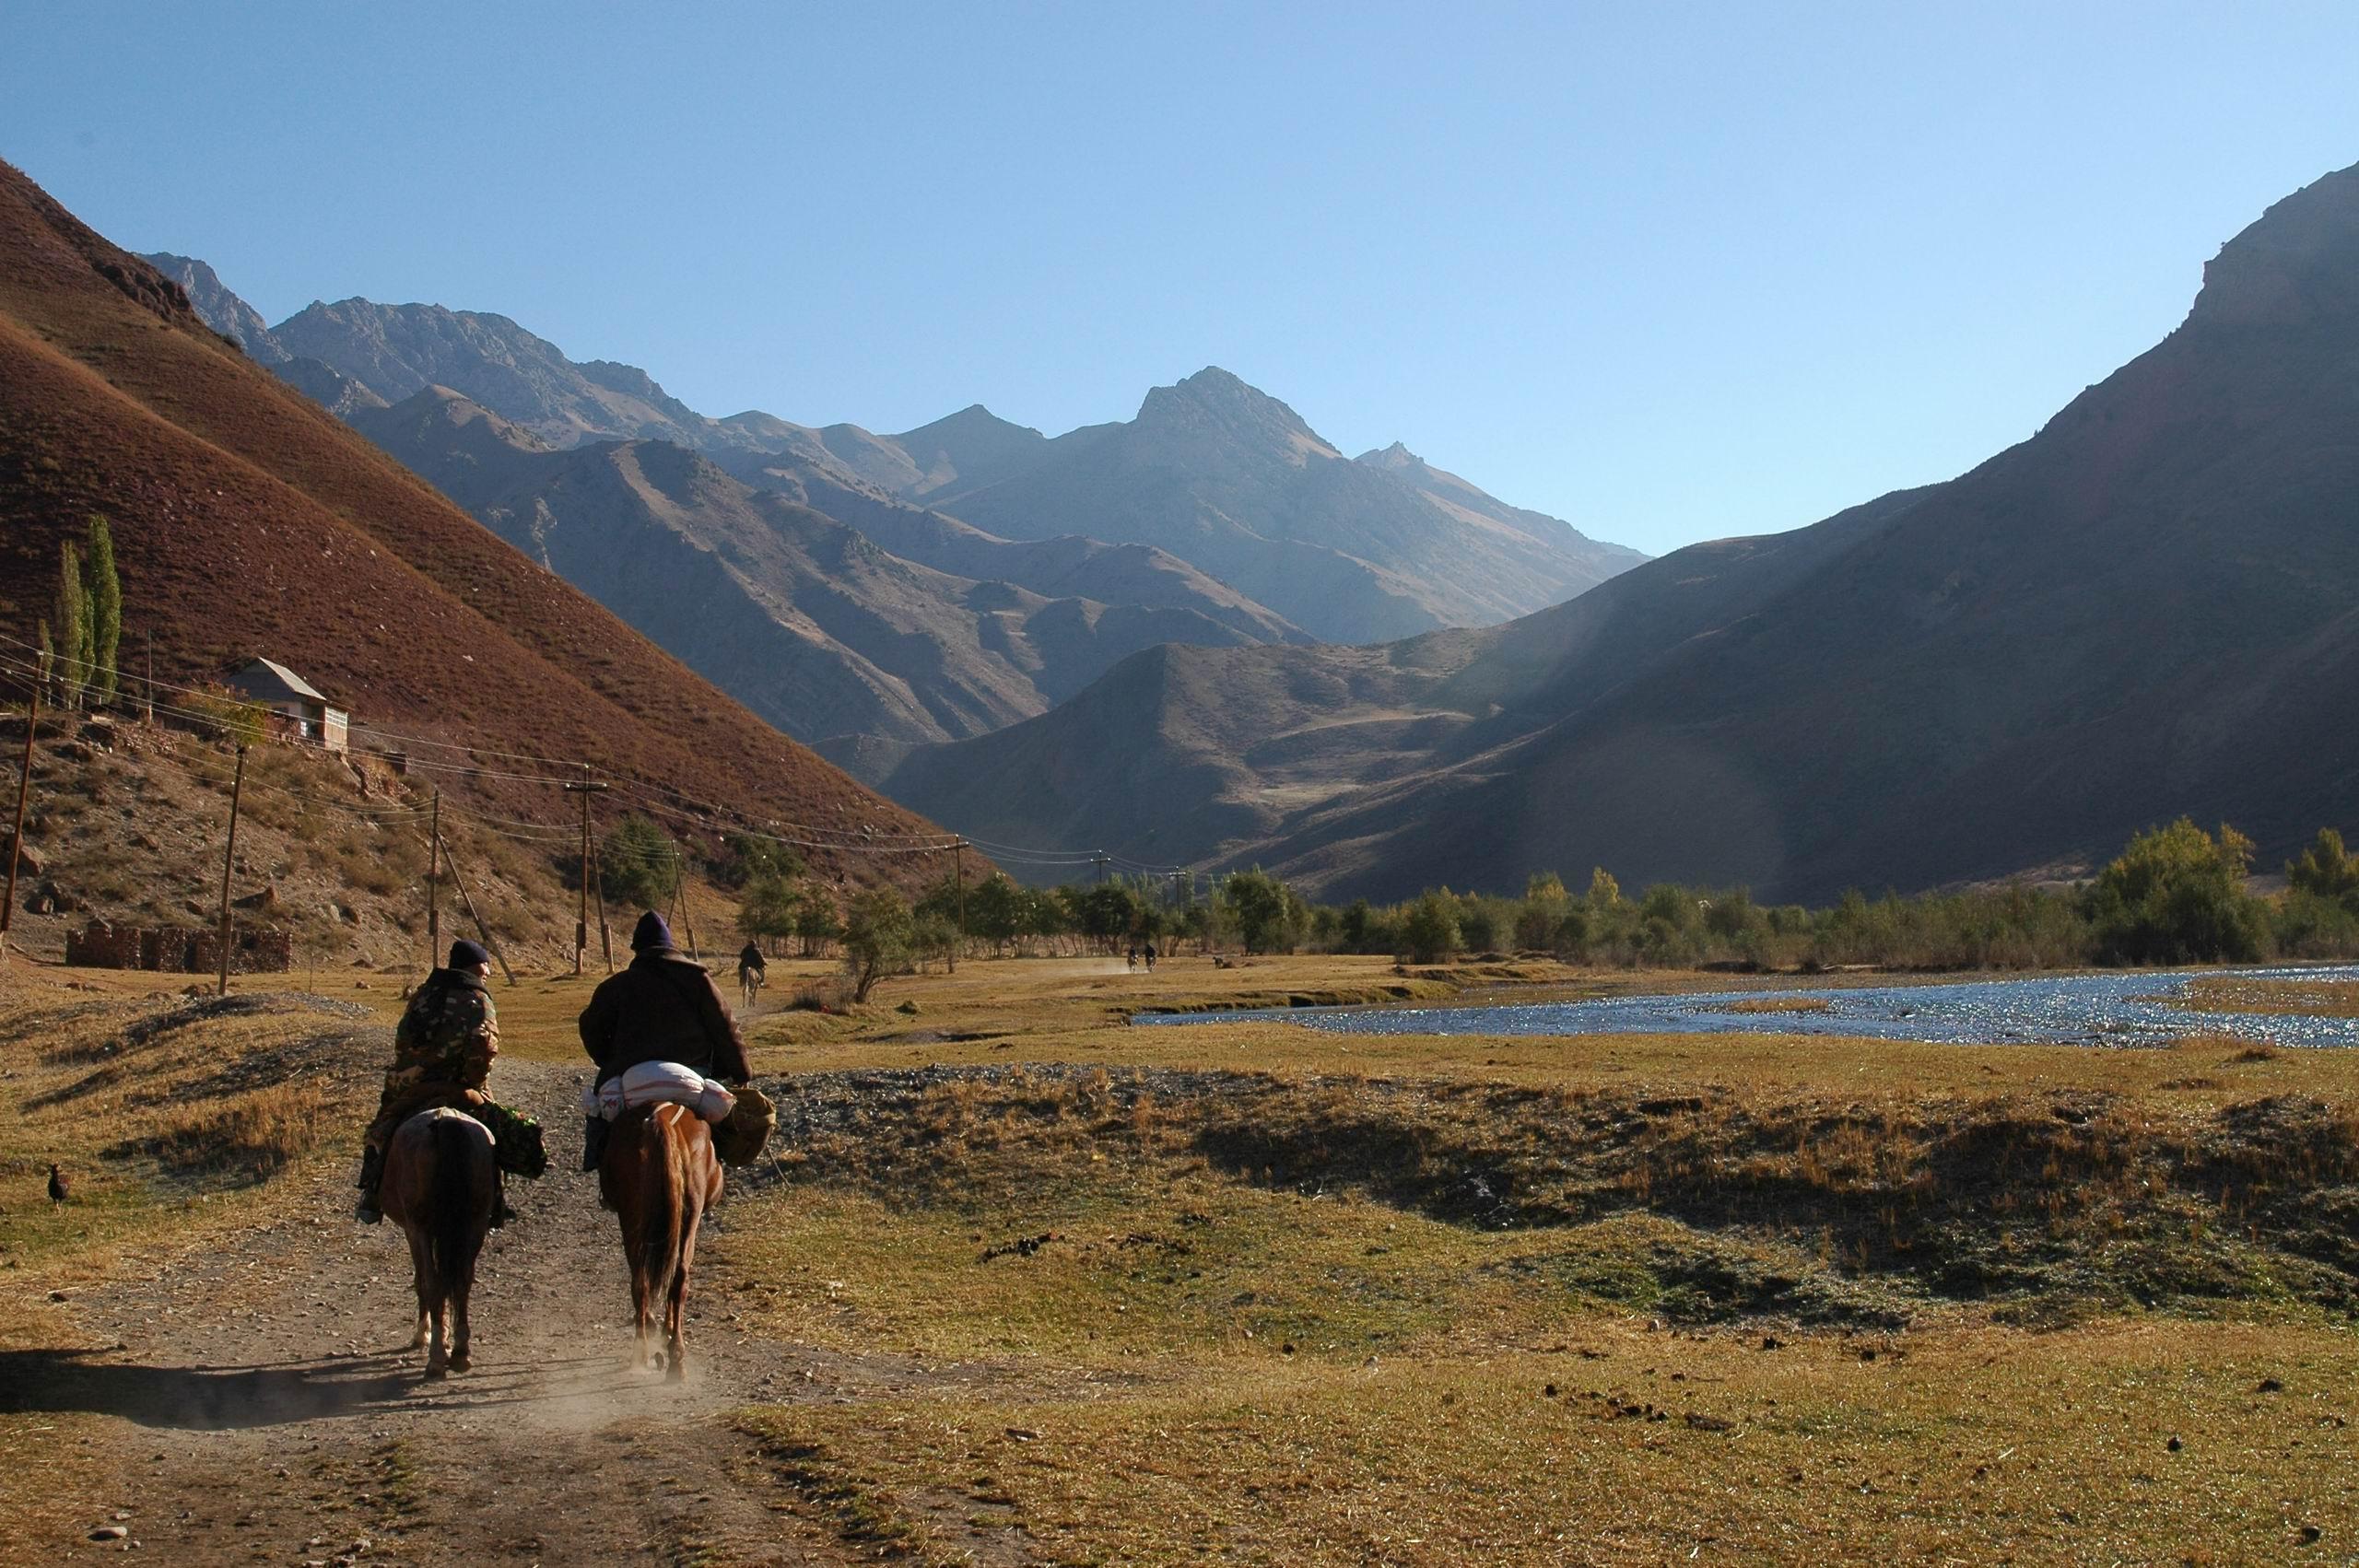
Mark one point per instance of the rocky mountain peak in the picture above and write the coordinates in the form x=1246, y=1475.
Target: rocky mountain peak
x=220, y=308
x=2297, y=262
x=1392, y=459
x=1217, y=404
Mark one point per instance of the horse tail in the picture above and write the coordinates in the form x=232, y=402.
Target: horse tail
x=450, y=1224
x=664, y=1193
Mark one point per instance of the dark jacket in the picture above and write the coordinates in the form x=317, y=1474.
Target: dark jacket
x=663, y=1008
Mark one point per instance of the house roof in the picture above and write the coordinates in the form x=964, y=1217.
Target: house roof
x=266, y=679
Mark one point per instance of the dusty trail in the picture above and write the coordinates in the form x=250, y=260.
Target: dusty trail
x=277, y=1420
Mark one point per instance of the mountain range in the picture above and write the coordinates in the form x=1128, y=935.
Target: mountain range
x=248, y=522
x=1212, y=470
x=818, y=574
x=2146, y=609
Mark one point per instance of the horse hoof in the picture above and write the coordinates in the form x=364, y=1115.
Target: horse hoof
x=435, y=1372
x=460, y=1363
x=675, y=1373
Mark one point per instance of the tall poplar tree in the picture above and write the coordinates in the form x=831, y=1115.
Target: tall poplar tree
x=104, y=598
x=73, y=628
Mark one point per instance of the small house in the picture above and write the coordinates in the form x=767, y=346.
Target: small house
x=297, y=712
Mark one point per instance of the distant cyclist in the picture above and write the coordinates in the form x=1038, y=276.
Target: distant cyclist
x=750, y=972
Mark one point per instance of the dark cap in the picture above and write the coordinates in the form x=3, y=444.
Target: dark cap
x=652, y=932
x=465, y=954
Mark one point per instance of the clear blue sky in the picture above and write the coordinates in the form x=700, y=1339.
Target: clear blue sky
x=1671, y=272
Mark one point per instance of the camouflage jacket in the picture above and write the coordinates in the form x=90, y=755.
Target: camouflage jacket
x=449, y=1035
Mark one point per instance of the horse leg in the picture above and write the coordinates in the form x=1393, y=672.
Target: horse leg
x=676, y=1305
x=438, y=1352
x=459, y=1294
x=421, y=1273
x=643, y=1312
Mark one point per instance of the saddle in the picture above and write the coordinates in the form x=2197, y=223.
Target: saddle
x=516, y=1145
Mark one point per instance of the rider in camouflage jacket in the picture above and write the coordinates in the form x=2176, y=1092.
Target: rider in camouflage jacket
x=442, y=1053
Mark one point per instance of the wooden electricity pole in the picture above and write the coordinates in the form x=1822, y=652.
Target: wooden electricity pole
x=1100, y=857
x=17, y=840
x=433, y=893
x=581, y=924
x=958, y=864
x=606, y=931
x=468, y=899
x=151, y=680
x=229, y=858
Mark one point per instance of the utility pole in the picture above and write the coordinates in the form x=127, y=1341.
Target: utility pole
x=229, y=858
x=468, y=899
x=1099, y=855
x=606, y=931
x=433, y=893
x=585, y=789
x=958, y=851
x=151, y=678
x=680, y=901
x=17, y=841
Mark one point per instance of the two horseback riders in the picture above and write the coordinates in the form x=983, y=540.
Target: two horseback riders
x=429, y=1160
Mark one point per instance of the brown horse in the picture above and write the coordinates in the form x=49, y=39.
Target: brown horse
x=660, y=1176
x=439, y=1187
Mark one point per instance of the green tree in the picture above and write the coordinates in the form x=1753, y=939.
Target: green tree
x=879, y=934
x=102, y=596
x=1429, y=930
x=1106, y=914
x=995, y=910
x=2324, y=869
x=745, y=858
x=1264, y=910
x=637, y=864
x=71, y=610
x=2177, y=895
x=816, y=924
x=1605, y=892
x=768, y=906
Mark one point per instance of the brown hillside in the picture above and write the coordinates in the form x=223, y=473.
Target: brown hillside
x=248, y=521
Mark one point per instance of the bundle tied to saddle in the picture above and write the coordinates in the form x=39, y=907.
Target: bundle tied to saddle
x=515, y=1140
x=742, y=1122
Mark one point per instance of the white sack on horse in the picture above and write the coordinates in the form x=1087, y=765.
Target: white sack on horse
x=659, y=1083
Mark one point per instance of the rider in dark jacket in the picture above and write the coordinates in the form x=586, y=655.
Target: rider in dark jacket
x=665, y=1006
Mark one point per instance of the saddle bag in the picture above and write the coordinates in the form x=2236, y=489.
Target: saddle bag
x=515, y=1140
x=739, y=1137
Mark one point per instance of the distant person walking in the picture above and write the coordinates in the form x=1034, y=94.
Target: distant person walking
x=443, y=1054
x=665, y=1006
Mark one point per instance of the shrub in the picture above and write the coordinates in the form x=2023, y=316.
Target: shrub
x=878, y=935
x=1429, y=930
x=2177, y=895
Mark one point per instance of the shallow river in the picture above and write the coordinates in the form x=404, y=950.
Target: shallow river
x=2115, y=1008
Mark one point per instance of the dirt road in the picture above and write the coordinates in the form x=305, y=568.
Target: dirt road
x=274, y=1419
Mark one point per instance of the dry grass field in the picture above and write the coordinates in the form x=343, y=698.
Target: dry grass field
x=1024, y=1283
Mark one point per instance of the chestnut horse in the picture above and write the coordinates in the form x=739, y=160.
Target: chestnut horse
x=660, y=1175
x=439, y=1187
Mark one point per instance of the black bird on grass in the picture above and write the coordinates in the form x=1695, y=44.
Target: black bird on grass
x=58, y=1187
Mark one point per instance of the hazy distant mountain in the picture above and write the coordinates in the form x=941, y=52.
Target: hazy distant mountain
x=797, y=614
x=398, y=351
x=218, y=307
x=2144, y=610
x=1229, y=478
x=1212, y=472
